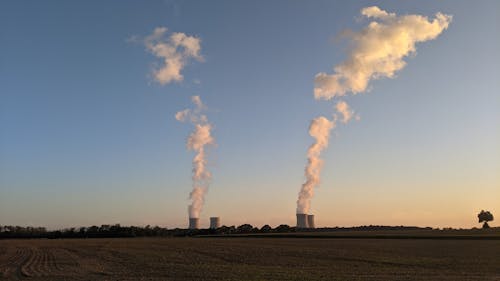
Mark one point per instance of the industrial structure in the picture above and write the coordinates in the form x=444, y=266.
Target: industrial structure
x=302, y=221
x=310, y=221
x=305, y=221
x=214, y=222
x=194, y=223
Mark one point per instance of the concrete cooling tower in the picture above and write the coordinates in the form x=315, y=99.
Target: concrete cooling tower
x=214, y=222
x=302, y=221
x=310, y=221
x=194, y=223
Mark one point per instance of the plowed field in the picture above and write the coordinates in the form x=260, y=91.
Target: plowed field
x=249, y=259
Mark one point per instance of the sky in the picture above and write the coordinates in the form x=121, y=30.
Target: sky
x=88, y=134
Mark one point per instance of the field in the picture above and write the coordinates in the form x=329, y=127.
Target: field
x=247, y=258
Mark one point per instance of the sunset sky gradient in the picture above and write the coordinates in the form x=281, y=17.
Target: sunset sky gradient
x=88, y=136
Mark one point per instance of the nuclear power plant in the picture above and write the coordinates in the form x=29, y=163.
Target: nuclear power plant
x=305, y=221
x=302, y=221
x=214, y=222
x=194, y=223
x=310, y=221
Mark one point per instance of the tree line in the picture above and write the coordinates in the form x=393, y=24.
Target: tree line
x=117, y=230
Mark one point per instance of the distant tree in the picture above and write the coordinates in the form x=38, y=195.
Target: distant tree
x=266, y=229
x=81, y=231
x=93, y=231
x=245, y=228
x=222, y=230
x=485, y=216
x=283, y=228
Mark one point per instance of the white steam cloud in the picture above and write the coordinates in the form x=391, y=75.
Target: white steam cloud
x=345, y=111
x=197, y=141
x=378, y=50
x=319, y=129
x=175, y=51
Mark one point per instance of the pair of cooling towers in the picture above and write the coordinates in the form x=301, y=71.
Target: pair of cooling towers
x=194, y=223
x=303, y=221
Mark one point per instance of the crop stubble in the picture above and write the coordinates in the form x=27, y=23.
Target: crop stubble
x=249, y=259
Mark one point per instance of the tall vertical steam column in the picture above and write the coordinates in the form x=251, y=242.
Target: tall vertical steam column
x=302, y=221
x=197, y=141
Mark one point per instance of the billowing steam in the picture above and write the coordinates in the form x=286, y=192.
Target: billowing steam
x=197, y=141
x=319, y=129
x=345, y=111
x=175, y=51
x=376, y=51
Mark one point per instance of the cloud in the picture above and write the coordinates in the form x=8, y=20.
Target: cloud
x=345, y=111
x=378, y=50
x=182, y=115
x=175, y=51
x=200, y=137
x=197, y=101
x=193, y=115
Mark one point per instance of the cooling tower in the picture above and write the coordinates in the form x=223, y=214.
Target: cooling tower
x=310, y=221
x=214, y=222
x=194, y=223
x=302, y=221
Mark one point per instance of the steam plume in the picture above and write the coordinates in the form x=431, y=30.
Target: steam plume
x=175, y=51
x=319, y=129
x=345, y=111
x=378, y=50
x=197, y=141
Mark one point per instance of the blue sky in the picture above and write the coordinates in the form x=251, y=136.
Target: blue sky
x=88, y=137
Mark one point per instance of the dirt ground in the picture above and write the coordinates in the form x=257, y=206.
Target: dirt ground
x=249, y=259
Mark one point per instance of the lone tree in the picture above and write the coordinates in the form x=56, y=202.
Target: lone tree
x=485, y=216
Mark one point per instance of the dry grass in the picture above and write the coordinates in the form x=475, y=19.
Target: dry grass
x=249, y=259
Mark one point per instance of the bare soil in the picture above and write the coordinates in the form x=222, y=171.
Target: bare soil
x=249, y=259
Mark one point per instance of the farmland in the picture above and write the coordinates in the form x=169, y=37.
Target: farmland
x=247, y=258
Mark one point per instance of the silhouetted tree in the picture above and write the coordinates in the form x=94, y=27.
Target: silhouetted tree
x=222, y=230
x=266, y=229
x=245, y=228
x=283, y=228
x=485, y=216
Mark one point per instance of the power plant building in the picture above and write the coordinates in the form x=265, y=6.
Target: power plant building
x=310, y=221
x=305, y=221
x=194, y=223
x=302, y=221
x=214, y=222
